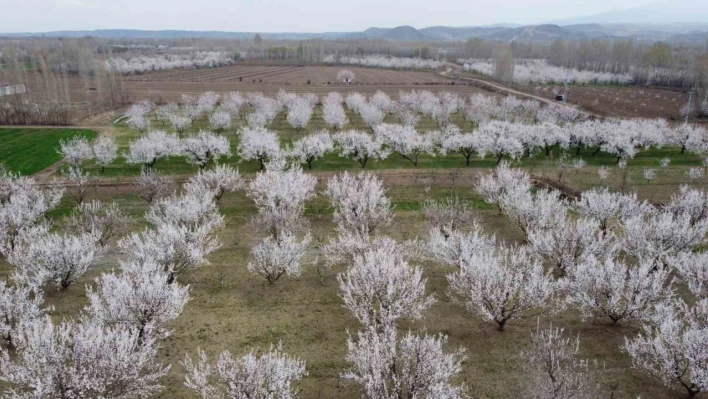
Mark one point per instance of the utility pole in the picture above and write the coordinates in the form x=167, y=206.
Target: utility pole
x=690, y=105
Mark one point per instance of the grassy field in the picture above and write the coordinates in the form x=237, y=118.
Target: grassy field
x=233, y=309
x=28, y=151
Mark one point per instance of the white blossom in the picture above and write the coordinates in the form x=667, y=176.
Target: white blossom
x=79, y=183
x=104, y=220
x=371, y=115
x=312, y=147
x=493, y=187
x=569, y=241
x=457, y=247
x=541, y=71
x=81, y=360
x=608, y=287
x=138, y=299
x=555, y=370
x=76, y=150
x=499, y=139
x=383, y=61
x=449, y=215
x=413, y=366
x=220, y=121
x=380, y=286
x=405, y=141
x=529, y=211
x=360, y=203
x=259, y=144
x=655, y=237
x=44, y=257
x=217, y=181
x=270, y=375
x=150, y=185
x=188, y=209
x=672, y=347
x=503, y=284
x=299, y=114
x=205, y=147
x=141, y=64
x=23, y=205
x=146, y=150
x=606, y=207
x=693, y=269
x=105, y=151
x=274, y=257
x=169, y=249
x=180, y=123
x=695, y=173
x=20, y=306
x=280, y=196
x=345, y=76
x=360, y=146
x=233, y=103
x=463, y=143
x=333, y=112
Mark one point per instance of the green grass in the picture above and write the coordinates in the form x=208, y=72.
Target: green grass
x=28, y=151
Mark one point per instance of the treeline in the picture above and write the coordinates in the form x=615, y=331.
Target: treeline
x=658, y=64
x=47, y=99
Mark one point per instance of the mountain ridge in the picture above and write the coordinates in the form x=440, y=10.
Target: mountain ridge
x=690, y=33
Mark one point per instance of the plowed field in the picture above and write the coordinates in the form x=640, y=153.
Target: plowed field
x=170, y=85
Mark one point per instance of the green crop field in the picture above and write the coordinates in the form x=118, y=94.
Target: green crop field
x=28, y=151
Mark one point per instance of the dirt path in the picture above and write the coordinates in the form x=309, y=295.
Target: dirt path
x=496, y=87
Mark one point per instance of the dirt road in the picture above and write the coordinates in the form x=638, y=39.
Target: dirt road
x=497, y=87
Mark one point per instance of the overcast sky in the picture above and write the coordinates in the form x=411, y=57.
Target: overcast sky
x=287, y=15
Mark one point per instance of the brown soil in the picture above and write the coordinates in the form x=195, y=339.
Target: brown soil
x=170, y=85
x=621, y=101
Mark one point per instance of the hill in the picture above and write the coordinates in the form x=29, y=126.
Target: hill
x=660, y=13
x=690, y=33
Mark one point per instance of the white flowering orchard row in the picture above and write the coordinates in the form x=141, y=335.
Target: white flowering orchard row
x=611, y=256
x=142, y=64
x=498, y=139
x=381, y=61
x=504, y=128
x=110, y=349
x=259, y=110
x=616, y=258
x=540, y=71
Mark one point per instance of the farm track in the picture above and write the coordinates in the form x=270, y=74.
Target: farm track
x=496, y=87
